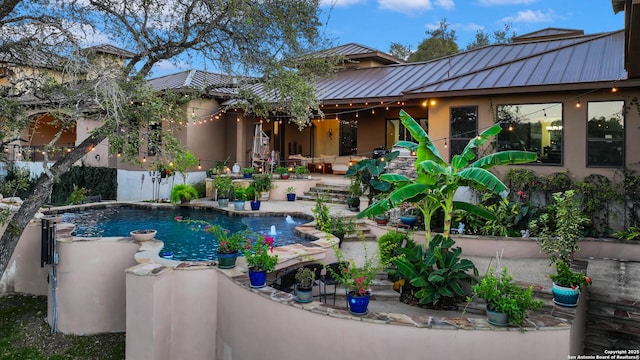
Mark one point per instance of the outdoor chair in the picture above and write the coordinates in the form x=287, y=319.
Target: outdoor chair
x=329, y=278
x=285, y=280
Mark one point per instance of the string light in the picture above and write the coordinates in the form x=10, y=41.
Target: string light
x=445, y=143
x=199, y=165
x=510, y=127
x=578, y=103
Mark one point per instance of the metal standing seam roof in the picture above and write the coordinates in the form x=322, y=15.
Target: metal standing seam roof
x=580, y=61
x=355, y=51
x=191, y=79
x=576, y=60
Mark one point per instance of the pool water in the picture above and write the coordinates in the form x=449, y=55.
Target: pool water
x=186, y=242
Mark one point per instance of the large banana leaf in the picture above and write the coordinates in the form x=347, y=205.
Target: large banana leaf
x=407, y=192
x=474, y=209
x=426, y=149
x=407, y=144
x=377, y=208
x=505, y=158
x=462, y=160
x=483, y=178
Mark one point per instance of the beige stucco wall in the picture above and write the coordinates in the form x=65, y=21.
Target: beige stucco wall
x=198, y=312
x=91, y=282
x=171, y=314
x=254, y=327
x=23, y=273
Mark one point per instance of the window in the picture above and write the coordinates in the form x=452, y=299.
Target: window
x=464, y=127
x=605, y=133
x=348, y=137
x=532, y=127
x=397, y=132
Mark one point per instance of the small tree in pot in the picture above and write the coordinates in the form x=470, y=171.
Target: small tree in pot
x=504, y=296
x=305, y=278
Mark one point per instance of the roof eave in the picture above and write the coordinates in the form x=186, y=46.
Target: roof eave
x=525, y=89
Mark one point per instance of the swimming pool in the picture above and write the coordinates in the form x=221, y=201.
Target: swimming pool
x=186, y=242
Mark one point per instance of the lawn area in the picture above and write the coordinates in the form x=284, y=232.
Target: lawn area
x=24, y=334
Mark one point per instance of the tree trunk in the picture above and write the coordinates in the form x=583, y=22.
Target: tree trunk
x=32, y=204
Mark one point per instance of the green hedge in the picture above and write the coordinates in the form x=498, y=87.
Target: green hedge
x=100, y=181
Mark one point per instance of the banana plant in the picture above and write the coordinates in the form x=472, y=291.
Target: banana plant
x=438, y=181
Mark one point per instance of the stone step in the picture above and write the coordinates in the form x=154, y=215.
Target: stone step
x=611, y=323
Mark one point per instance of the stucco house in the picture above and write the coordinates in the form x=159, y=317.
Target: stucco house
x=569, y=96
x=559, y=92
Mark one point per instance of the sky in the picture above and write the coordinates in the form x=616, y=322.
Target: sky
x=378, y=23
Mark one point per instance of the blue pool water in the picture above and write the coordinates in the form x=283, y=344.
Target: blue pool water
x=186, y=242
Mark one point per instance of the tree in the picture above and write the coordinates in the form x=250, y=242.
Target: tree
x=400, y=51
x=441, y=42
x=242, y=38
x=499, y=37
x=437, y=181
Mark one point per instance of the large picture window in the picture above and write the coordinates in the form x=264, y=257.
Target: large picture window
x=532, y=127
x=464, y=127
x=605, y=133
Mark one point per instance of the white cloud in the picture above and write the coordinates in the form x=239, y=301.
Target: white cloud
x=445, y=4
x=531, y=16
x=505, y=2
x=415, y=6
x=339, y=3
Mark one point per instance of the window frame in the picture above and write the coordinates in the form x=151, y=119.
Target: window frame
x=622, y=140
x=455, y=139
x=551, y=104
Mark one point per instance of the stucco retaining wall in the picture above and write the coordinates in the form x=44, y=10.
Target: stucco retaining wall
x=23, y=273
x=193, y=310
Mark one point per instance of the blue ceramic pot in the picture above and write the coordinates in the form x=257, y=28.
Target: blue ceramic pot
x=409, y=220
x=291, y=197
x=565, y=296
x=255, y=204
x=358, y=304
x=257, y=278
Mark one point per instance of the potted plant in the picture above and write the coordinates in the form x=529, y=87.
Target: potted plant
x=341, y=226
x=356, y=279
x=355, y=191
x=263, y=184
x=250, y=195
x=258, y=253
x=248, y=172
x=381, y=219
x=559, y=229
x=291, y=193
x=239, y=196
x=507, y=302
x=283, y=171
x=220, y=167
x=183, y=193
x=222, y=184
x=300, y=171
x=228, y=244
x=567, y=284
x=304, y=286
